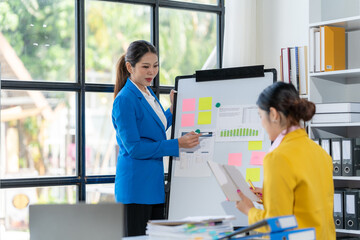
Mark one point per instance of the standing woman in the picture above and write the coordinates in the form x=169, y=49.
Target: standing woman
x=297, y=171
x=140, y=123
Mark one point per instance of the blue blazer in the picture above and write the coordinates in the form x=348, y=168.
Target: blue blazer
x=142, y=144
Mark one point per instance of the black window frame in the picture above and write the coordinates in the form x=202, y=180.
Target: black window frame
x=80, y=87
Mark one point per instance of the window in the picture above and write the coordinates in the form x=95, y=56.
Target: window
x=57, y=69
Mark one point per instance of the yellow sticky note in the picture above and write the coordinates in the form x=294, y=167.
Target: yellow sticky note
x=204, y=118
x=255, y=145
x=205, y=103
x=253, y=174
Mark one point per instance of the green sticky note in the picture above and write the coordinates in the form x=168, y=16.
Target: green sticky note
x=205, y=103
x=204, y=118
x=197, y=130
x=253, y=174
x=255, y=145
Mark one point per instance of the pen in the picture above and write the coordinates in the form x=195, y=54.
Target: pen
x=206, y=133
x=253, y=187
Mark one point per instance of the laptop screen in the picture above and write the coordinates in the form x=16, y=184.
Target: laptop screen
x=77, y=221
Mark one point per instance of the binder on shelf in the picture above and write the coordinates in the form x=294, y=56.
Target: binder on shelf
x=339, y=209
x=352, y=218
x=312, y=49
x=317, y=141
x=351, y=156
x=334, y=48
x=294, y=67
x=336, y=118
x=326, y=144
x=322, y=49
x=317, y=52
x=285, y=54
x=336, y=156
x=344, y=107
x=303, y=71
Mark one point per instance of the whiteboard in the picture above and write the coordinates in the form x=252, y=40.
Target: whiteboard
x=193, y=195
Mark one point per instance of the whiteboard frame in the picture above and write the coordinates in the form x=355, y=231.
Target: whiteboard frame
x=229, y=73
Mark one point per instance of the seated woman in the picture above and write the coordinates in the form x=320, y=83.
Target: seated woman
x=297, y=171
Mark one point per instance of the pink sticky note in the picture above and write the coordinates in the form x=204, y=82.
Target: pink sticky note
x=188, y=120
x=257, y=158
x=188, y=105
x=235, y=159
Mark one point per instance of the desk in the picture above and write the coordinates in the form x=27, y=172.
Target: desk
x=136, y=238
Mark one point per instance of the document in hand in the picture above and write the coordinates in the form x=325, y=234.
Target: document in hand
x=230, y=180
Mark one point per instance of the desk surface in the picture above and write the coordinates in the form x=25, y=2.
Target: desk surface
x=136, y=238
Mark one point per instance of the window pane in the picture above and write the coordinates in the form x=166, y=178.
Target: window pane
x=165, y=102
x=213, y=2
x=37, y=134
x=14, y=207
x=101, y=147
x=187, y=42
x=100, y=193
x=110, y=28
x=37, y=40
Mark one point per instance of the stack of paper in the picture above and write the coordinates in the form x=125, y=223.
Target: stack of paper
x=337, y=113
x=190, y=228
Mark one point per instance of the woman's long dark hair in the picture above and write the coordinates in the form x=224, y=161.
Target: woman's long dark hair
x=284, y=98
x=134, y=53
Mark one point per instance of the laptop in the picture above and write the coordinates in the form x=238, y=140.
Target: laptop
x=76, y=221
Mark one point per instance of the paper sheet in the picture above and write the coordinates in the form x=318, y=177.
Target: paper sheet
x=192, y=162
x=238, y=123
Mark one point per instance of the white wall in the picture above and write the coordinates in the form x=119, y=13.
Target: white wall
x=280, y=23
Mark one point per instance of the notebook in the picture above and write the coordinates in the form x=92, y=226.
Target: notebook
x=230, y=180
x=76, y=221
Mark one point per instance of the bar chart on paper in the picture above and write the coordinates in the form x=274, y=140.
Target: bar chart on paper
x=238, y=123
x=245, y=133
x=239, y=132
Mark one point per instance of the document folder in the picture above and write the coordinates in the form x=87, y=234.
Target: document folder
x=339, y=209
x=230, y=180
x=336, y=156
x=299, y=234
x=325, y=144
x=351, y=156
x=275, y=224
x=352, y=209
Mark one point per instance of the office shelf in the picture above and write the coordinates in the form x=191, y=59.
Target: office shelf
x=347, y=178
x=357, y=232
x=338, y=86
x=341, y=75
x=349, y=23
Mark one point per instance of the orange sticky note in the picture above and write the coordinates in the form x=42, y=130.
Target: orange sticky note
x=188, y=120
x=235, y=159
x=257, y=158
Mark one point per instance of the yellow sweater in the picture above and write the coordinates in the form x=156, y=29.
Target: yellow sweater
x=298, y=181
